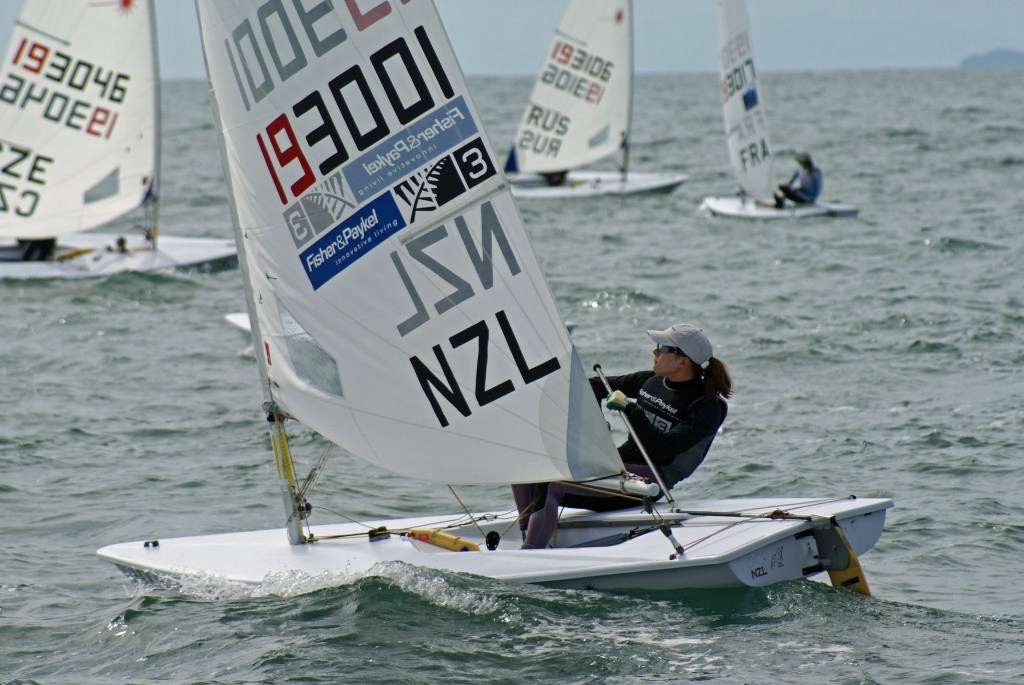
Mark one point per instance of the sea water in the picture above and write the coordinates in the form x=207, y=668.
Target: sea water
x=878, y=356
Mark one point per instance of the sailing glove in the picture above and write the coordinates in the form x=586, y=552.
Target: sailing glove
x=617, y=400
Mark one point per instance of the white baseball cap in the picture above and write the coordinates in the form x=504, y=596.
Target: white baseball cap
x=690, y=339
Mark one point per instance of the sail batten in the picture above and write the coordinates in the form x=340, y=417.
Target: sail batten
x=381, y=244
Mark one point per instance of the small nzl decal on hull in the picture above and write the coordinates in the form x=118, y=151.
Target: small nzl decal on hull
x=765, y=565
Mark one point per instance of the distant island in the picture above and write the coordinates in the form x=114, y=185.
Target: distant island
x=995, y=58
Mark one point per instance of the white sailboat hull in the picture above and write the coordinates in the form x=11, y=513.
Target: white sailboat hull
x=96, y=254
x=749, y=208
x=739, y=546
x=594, y=183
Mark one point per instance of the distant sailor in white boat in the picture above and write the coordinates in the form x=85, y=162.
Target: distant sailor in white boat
x=805, y=186
x=555, y=178
x=675, y=408
x=37, y=250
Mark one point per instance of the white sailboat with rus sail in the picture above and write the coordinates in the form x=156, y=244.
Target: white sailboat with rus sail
x=746, y=130
x=400, y=312
x=581, y=111
x=80, y=145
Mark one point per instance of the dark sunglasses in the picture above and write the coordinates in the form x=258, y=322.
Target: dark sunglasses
x=668, y=348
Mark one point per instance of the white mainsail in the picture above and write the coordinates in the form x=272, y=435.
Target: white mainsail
x=746, y=125
x=580, y=107
x=397, y=305
x=79, y=136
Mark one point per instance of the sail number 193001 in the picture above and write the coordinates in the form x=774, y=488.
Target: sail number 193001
x=344, y=112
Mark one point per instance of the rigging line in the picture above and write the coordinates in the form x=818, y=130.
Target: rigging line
x=453, y=522
x=613, y=539
x=482, y=517
x=824, y=500
x=466, y=510
x=338, y=536
x=514, y=522
x=525, y=512
x=707, y=537
x=346, y=517
x=661, y=524
x=777, y=515
x=306, y=489
x=382, y=529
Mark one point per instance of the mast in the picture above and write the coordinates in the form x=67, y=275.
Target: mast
x=294, y=507
x=151, y=204
x=275, y=418
x=629, y=113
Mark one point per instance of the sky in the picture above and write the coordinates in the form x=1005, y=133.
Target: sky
x=509, y=37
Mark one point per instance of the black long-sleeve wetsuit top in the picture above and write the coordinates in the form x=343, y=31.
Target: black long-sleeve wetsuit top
x=674, y=421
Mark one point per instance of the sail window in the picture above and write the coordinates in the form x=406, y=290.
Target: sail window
x=311, y=362
x=108, y=186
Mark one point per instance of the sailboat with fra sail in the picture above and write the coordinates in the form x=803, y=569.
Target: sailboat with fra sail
x=581, y=111
x=80, y=145
x=400, y=312
x=746, y=131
